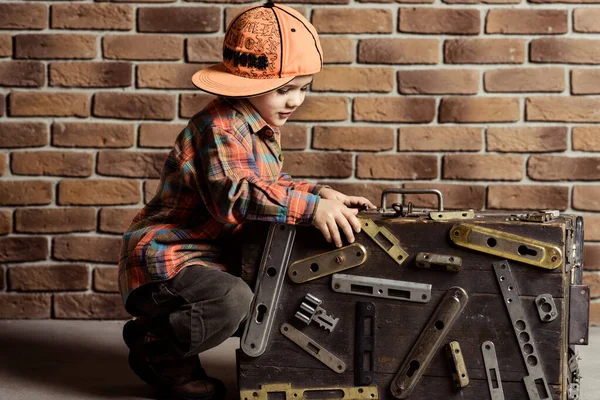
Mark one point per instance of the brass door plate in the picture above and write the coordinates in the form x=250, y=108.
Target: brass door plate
x=438, y=262
x=448, y=215
x=457, y=363
x=316, y=393
x=507, y=245
x=384, y=239
x=328, y=263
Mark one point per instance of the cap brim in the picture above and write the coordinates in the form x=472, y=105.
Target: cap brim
x=217, y=80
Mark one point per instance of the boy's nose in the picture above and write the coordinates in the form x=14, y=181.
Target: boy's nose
x=295, y=100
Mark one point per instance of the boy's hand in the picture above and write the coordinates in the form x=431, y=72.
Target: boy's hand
x=349, y=201
x=332, y=214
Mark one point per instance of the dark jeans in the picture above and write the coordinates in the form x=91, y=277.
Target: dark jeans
x=198, y=309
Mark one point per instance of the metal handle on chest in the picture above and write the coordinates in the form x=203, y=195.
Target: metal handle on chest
x=412, y=191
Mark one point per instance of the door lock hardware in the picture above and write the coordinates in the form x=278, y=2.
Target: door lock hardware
x=313, y=348
x=456, y=361
x=546, y=307
x=275, y=258
x=327, y=263
x=507, y=245
x=448, y=215
x=573, y=378
x=384, y=288
x=579, y=314
x=537, y=216
x=310, y=310
x=428, y=343
x=403, y=191
x=536, y=382
x=438, y=262
x=317, y=393
x=364, y=343
x=490, y=361
x=384, y=239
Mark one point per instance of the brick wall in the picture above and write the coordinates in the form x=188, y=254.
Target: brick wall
x=494, y=102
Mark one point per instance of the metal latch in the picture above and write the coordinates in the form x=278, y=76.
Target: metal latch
x=311, y=310
x=438, y=262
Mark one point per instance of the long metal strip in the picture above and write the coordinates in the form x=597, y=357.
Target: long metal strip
x=430, y=340
x=384, y=288
x=313, y=348
x=327, y=263
x=507, y=245
x=536, y=382
x=315, y=393
x=457, y=363
x=364, y=343
x=271, y=274
x=384, y=239
x=490, y=361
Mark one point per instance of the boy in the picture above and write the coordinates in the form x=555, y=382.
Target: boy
x=224, y=170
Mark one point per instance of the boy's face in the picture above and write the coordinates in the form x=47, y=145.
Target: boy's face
x=276, y=107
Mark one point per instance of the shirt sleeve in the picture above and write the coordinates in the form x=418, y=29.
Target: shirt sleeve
x=224, y=170
x=287, y=181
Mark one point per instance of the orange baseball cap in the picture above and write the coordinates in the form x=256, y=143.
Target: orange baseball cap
x=265, y=47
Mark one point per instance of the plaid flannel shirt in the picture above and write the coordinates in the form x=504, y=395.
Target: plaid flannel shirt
x=224, y=170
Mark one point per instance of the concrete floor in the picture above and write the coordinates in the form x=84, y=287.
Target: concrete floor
x=74, y=360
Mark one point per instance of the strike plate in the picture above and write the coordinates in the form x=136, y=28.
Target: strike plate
x=579, y=314
x=507, y=245
x=384, y=288
x=490, y=361
x=316, y=393
x=457, y=364
x=364, y=343
x=448, y=215
x=438, y=262
x=384, y=239
x=328, y=263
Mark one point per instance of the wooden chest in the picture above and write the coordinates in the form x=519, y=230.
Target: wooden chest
x=399, y=348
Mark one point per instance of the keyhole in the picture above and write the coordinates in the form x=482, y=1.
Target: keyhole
x=413, y=367
x=526, y=251
x=261, y=311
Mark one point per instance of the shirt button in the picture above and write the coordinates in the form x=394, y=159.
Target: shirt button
x=269, y=132
x=281, y=157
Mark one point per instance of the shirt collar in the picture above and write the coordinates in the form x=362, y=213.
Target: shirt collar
x=244, y=107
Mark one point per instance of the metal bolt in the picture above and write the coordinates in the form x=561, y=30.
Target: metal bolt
x=339, y=259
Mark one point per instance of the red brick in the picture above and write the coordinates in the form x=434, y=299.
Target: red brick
x=592, y=279
x=318, y=164
x=49, y=277
x=591, y=256
x=586, y=198
x=358, y=138
x=479, y=109
x=138, y=1
x=293, y=137
x=52, y=163
x=528, y=197
x=92, y=16
x=352, y=20
x=491, y=167
x=55, y=220
x=399, y=51
x=166, y=76
x=159, y=135
x=393, y=109
x=192, y=103
x=134, y=105
x=205, y=49
x=22, y=193
x=586, y=138
x=591, y=223
x=438, y=81
x=586, y=20
x=525, y=80
x=439, y=138
x=5, y=222
x=484, y=51
x=439, y=20
x=6, y=45
x=455, y=196
x=1, y=105
x=179, y=19
x=352, y=79
x=322, y=108
x=2, y=278
x=87, y=74
x=482, y=1
x=55, y=46
x=131, y=164
x=23, y=248
x=89, y=306
x=86, y=248
x=371, y=191
x=116, y=220
x=396, y=166
x=76, y=134
x=87, y=192
x=565, y=50
x=25, y=306
x=150, y=189
x=23, y=16
x=3, y=161
x=585, y=81
x=337, y=49
x=527, y=139
x=22, y=73
x=519, y=21
x=49, y=104
x=23, y=134
x=562, y=109
x=142, y=47
x=398, y=1
x=552, y=168
x=106, y=279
